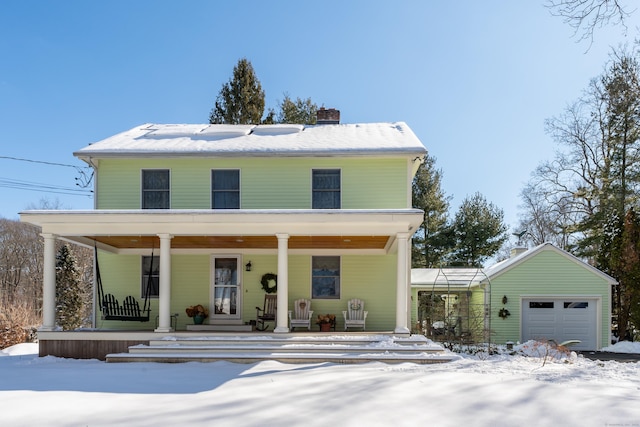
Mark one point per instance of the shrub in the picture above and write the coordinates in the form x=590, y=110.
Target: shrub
x=16, y=325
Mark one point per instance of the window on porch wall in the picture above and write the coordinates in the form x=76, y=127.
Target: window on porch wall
x=225, y=189
x=155, y=277
x=326, y=189
x=325, y=277
x=155, y=189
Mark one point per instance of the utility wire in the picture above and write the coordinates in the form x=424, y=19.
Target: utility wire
x=48, y=188
x=39, y=161
x=83, y=181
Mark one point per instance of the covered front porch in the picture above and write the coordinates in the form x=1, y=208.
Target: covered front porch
x=280, y=234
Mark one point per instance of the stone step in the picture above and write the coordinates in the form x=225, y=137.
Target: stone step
x=288, y=348
x=297, y=348
x=314, y=339
x=244, y=357
x=220, y=327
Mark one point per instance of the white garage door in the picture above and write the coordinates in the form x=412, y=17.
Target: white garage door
x=561, y=319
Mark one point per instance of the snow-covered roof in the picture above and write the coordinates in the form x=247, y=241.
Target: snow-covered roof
x=446, y=277
x=161, y=140
x=464, y=277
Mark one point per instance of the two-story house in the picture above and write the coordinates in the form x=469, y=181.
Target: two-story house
x=215, y=208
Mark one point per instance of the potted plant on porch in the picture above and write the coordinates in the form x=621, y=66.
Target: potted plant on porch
x=198, y=312
x=326, y=322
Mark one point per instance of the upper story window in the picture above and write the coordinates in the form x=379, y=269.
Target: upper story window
x=150, y=277
x=225, y=189
x=155, y=189
x=326, y=189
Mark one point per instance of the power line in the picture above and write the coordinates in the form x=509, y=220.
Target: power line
x=39, y=161
x=46, y=188
x=86, y=173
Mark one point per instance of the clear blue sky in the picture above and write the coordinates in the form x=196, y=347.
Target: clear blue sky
x=474, y=80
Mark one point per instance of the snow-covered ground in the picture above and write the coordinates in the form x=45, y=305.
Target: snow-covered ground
x=480, y=390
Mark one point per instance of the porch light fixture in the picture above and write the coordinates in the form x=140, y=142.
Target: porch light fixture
x=248, y=266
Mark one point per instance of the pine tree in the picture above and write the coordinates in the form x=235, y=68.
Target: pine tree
x=241, y=100
x=479, y=231
x=430, y=243
x=621, y=259
x=69, y=298
x=300, y=111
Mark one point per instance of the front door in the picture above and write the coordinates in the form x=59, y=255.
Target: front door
x=226, y=288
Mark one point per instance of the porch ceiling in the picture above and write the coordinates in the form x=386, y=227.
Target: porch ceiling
x=245, y=242
x=342, y=229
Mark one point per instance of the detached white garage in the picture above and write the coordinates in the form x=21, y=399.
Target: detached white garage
x=563, y=319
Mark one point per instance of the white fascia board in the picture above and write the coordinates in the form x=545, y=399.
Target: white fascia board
x=207, y=222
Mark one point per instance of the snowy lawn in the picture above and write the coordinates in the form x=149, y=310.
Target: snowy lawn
x=500, y=390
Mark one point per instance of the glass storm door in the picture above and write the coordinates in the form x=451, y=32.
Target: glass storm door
x=226, y=285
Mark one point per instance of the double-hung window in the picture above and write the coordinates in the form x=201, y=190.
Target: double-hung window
x=150, y=277
x=225, y=189
x=326, y=189
x=325, y=277
x=155, y=189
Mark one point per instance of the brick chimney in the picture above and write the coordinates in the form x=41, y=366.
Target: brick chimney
x=329, y=116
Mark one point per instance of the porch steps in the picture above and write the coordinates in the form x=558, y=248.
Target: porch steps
x=220, y=327
x=288, y=348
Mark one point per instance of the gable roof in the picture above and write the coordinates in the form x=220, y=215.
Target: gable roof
x=502, y=267
x=172, y=140
x=469, y=277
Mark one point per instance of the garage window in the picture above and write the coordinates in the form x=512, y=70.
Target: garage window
x=581, y=304
x=540, y=304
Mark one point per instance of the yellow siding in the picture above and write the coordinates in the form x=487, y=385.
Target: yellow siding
x=190, y=275
x=547, y=273
x=371, y=278
x=266, y=183
x=121, y=276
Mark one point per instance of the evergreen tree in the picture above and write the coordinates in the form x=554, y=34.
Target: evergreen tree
x=621, y=259
x=479, y=232
x=594, y=180
x=69, y=295
x=299, y=111
x=241, y=100
x=430, y=243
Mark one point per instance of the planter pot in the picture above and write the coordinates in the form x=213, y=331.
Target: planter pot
x=325, y=327
x=198, y=319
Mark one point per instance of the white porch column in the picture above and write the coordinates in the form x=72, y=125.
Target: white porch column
x=164, y=292
x=402, y=284
x=283, y=284
x=49, y=284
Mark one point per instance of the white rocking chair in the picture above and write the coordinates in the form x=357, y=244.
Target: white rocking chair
x=300, y=316
x=355, y=316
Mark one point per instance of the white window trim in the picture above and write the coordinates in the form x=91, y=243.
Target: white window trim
x=311, y=277
x=311, y=184
x=211, y=186
x=143, y=279
x=142, y=184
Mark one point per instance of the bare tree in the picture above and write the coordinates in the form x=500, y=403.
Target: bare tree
x=545, y=218
x=596, y=171
x=585, y=16
x=21, y=273
x=20, y=252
